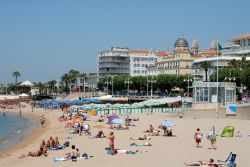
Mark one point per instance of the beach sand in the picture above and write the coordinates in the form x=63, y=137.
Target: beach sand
x=165, y=151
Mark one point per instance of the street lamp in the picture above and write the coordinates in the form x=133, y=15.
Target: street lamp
x=107, y=82
x=188, y=80
x=230, y=78
x=128, y=82
x=152, y=81
x=147, y=85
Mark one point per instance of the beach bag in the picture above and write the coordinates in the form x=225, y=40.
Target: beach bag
x=66, y=144
x=199, y=136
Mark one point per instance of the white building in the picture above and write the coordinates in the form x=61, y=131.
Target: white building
x=238, y=48
x=142, y=62
x=113, y=62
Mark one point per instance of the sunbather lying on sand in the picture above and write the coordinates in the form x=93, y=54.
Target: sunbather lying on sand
x=36, y=153
x=205, y=163
x=145, y=137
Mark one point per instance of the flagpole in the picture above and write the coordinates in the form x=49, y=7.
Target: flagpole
x=217, y=83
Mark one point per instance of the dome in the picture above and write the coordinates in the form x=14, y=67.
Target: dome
x=181, y=42
x=213, y=45
x=195, y=44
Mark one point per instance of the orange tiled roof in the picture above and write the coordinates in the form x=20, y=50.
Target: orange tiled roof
x=161, y=53
x=240, y=37
x=211, y=52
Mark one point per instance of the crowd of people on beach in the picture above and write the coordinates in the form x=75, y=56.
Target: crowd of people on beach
x=76, y=123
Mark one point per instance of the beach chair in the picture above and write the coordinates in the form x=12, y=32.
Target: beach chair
x=230, y=161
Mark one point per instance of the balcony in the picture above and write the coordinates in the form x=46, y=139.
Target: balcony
x=237, y=51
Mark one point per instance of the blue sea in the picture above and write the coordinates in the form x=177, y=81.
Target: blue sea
x=13, y=129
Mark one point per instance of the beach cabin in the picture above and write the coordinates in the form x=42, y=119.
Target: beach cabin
x=206, y=92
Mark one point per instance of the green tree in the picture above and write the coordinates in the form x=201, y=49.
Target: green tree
x=51, y=85
x=234, y=63
x=206, y=65
x=41, y=87
x=16, y=74
x=74, y=74
x=246, y=78
x=66, y=80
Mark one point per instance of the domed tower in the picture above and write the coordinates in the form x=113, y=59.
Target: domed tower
x=213, y=45
x=195, y=47
x=181, y=44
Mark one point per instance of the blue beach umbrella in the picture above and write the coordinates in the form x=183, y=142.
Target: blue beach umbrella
x=118, y=121
x=168, y=123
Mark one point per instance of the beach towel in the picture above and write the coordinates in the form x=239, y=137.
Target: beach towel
x=143, y=144
x=228, y=131
x=126, y=152
x=59, y=159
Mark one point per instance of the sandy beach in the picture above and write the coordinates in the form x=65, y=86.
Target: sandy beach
x=165, y=151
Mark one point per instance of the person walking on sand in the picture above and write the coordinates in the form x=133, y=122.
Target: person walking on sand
x=198, y=137
x=212, y=138
x=42, y=119
x=111, y=138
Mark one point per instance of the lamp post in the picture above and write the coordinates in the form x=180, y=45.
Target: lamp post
x=147, y=85
x=107, y=82
x=152, y=81
x=128, y=82
x=188, y=80
x=230, y=77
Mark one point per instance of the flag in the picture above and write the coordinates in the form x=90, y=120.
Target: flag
x=219, y=47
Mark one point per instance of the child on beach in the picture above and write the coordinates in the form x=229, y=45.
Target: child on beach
x=198, y=137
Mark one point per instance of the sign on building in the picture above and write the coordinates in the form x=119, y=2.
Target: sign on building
x=214, y=98
x=231, y=109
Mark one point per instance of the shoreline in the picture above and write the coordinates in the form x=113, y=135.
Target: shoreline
x=30, y=135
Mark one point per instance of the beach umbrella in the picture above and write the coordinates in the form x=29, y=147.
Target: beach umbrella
x=168, y=123
x=118, y=121
x=111, y=118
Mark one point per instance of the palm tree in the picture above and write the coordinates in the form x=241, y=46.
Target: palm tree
x=74, y=74
x=66, y=81
x=233, y=63
x=206, y=65
x=51, y=85
x=41, y=86
x=16, y=74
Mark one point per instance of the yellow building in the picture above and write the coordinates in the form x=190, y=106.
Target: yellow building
x=179, y=63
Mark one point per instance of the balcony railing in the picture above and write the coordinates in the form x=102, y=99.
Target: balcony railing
x=242, y=50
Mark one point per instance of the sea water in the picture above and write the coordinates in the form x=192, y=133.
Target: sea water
x=14, y=129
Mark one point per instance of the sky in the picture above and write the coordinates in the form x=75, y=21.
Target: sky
x=43, y=39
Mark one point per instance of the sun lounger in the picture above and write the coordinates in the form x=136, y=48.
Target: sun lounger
x=230, y=161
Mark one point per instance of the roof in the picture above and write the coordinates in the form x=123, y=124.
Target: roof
x=240, y=37
x=208, y=52
x=146, y=52
x=181, y=42
x=26, y=83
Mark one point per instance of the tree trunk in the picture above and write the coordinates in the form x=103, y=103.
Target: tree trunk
x=206, y=75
